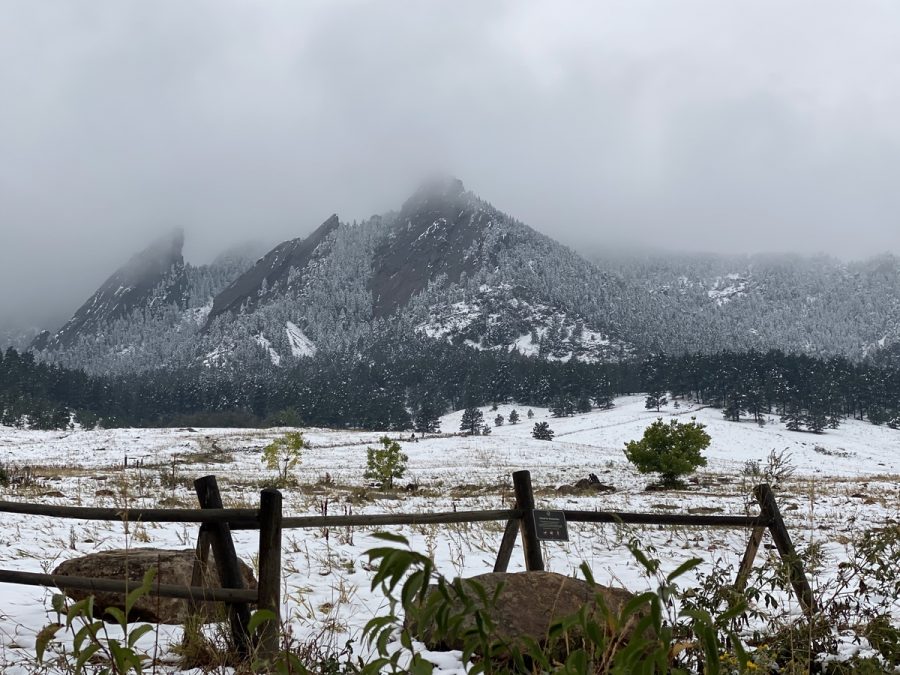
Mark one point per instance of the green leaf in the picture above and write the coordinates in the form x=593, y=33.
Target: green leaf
x=85, y=655
x=258, y=618
x=83, y=608
x=118, y=615
x=390, y=536
x=139, y=592
x=43, y=638
x=686, y=566
x=58, y=602
x=137, y=634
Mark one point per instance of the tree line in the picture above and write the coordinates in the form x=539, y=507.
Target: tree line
x=394, y=385
x=806, y=393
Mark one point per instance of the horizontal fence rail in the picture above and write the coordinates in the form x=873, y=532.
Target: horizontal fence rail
x=247, y=517
x=665, y=519
x=362, y=520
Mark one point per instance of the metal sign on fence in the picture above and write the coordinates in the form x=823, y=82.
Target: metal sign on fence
x=551, y=525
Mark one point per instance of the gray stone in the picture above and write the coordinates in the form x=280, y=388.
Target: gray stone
x=528, y=604
x=173, y=567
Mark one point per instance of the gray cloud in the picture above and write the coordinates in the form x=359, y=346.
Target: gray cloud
x=740, y=126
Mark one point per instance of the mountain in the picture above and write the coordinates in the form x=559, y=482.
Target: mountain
x=449, y=266
x=152, y=279
x=146, y=314
x=278, y=272
x=818, y=305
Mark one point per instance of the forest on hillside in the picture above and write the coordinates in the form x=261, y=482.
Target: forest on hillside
x=392, y=386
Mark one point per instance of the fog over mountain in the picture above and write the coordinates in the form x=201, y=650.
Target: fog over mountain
x=694, y=126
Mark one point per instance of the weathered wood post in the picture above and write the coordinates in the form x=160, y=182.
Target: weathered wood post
x=506, y=545
x=746, y=566
x=534, y=561
x=226, y=562
x=201, y=559
x=270, y=514
x=782, y=539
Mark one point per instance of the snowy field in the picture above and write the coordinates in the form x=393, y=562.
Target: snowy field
x=845, y=480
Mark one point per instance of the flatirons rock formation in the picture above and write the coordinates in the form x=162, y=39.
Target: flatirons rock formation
x=449, y=266
x=152, y=279
x=278, y=272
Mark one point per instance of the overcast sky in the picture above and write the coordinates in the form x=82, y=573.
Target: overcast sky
x=714, y=126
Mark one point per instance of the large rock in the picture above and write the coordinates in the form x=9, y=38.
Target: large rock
x=527, y=605
x=173, y=567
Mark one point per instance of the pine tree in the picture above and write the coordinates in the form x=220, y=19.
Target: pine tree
x=513, y=417
x=472, y=421
x=655, y=400
x=542, y=431
x=562, y=407
x=498, y=420
x=428, y=418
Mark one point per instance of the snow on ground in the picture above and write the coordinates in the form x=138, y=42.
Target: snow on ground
x=846, y=480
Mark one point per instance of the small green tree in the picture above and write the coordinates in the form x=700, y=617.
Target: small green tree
x=672, y=450
x=283, y=455
x=498, y=421
x=386, y=463
x=513, y=417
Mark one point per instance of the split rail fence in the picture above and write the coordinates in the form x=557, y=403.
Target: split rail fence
x=217, y=523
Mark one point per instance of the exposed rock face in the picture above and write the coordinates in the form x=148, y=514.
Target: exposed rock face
x=529, y=603
x=283, y=266
x=152, y=279
x=173, y=567
x=439, y=232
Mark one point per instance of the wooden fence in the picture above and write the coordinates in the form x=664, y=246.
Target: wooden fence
x=216, y=524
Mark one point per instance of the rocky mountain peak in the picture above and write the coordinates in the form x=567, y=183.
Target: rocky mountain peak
x=151, y=279
x=273, y=273
x=435, y=191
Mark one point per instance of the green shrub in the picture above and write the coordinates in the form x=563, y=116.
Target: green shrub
x=93, y=650
x=283, y=455
x=386, y=463
x=672, y=450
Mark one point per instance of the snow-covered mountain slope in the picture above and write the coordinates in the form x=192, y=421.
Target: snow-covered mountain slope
x=150, y=313
x=279, y=272
x=151, y=280
x=408, y=274
x=501, y=318
x=708, y=303
x=450, y=266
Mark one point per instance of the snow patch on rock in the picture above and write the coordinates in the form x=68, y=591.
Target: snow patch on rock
x=300, y=344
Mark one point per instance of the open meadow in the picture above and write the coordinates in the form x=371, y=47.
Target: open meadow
x=845, y=481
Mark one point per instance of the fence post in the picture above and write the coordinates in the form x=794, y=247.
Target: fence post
x=226, y=562
x=534, y=561
x=785, y=546
x=744, y=570
x=270, y=514
x=201, y=559
x=506, y=545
